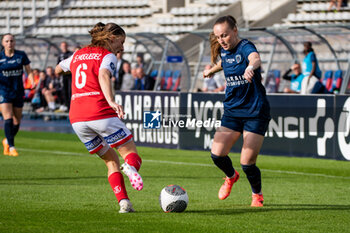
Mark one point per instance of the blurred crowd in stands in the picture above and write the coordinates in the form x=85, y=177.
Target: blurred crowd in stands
x=52, y=92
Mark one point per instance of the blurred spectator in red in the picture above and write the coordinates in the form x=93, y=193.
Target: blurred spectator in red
x=29, y=91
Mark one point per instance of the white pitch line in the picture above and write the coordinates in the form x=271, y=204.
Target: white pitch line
x=187, y=164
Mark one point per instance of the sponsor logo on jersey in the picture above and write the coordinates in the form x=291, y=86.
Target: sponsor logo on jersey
x=11, y=73
x=78, y=95
x=230, y=60
x=235, y=80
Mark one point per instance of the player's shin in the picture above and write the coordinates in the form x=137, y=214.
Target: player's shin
x=254, y=177
x=8, y=128
x=225, y=164
x=116, y=181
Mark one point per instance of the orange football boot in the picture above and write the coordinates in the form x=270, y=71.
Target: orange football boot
x=225, y=189
x=257, y=200
x=13, y=152
x=6, y=146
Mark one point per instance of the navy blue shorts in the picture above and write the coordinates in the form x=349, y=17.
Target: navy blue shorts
x=240, y=124
x=17, y=102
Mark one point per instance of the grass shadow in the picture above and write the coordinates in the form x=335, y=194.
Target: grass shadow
x=272, y=207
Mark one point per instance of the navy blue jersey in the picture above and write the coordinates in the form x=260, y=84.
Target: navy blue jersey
x=243, y=99
x=11, y=72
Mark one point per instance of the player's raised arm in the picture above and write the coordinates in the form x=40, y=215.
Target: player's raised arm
x=209, y=73
x=254, y=63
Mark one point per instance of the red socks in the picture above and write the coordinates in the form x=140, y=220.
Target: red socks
x=133, y=159
x=116, y=181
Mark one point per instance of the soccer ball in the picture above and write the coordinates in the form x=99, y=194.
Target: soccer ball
x=173, y=198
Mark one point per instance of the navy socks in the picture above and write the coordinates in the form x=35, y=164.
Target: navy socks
x=15, y=130
x=8, y=128
x=224, y=163
x=254, y=177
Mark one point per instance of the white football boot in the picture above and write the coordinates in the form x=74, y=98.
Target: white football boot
x=125, y=206
x=134, y=177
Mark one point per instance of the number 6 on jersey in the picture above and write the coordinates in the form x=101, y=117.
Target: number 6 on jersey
x=81, y=73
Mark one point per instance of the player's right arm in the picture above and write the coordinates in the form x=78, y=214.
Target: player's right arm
x=209, y=73
x=58, y=70
x=106, y=71
x=63, y=66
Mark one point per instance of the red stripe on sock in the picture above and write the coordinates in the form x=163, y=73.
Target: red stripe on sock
x=134, y=160
x=116, y=180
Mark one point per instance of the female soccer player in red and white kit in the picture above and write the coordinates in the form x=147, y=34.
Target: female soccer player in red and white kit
x=95, y=116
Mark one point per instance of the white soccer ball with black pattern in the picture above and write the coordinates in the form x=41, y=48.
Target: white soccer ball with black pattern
x=173, y=198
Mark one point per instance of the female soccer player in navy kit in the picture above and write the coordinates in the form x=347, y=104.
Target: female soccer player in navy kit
x=93, y=112
x=12, y=90
x=246, y=109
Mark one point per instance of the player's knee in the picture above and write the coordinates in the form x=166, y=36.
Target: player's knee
x=215, y=157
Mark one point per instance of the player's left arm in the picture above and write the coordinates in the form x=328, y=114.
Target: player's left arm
x=30, y=75
x=254, y=63
x=104, y=78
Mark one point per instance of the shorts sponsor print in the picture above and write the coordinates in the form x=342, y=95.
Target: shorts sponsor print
x=98, y=133
x=118, y=138
x=94, y=145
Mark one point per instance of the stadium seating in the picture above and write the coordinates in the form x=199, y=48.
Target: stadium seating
x=170, y=79
x=327, y=79
x=166, y=80
x=153, y=74
x=176, y=79
x=337, y=81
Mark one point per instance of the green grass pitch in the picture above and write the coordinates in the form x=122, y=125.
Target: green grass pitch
x=56, y=186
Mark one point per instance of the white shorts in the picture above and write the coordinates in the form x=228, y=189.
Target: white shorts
x=99, y=134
